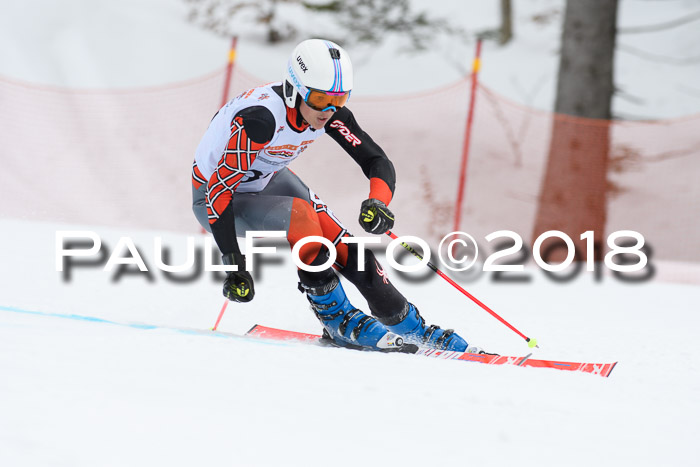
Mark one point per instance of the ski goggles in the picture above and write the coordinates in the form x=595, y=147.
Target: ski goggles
x=324, y=100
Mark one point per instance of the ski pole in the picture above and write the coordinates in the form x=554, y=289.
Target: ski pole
x=530, y=342
x=221, y=314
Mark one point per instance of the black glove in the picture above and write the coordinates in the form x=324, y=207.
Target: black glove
x=238, y=286
x=375, y=217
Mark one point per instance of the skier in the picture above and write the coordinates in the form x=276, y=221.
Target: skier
x=241, y=182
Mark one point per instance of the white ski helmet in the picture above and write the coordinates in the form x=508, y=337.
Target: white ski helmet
x=319, y=71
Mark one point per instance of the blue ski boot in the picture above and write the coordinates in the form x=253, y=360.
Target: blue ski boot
x=346, y=326
x=414, y=330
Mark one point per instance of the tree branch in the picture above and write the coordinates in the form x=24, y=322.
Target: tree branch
x=661, y=26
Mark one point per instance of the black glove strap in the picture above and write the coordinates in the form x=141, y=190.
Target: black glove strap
x=235, y=258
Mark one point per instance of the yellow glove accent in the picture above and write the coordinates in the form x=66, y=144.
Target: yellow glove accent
x=242, y=290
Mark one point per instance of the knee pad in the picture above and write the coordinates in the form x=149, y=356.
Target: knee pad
x=312, y=280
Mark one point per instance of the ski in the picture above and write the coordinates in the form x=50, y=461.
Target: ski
x=601, y=369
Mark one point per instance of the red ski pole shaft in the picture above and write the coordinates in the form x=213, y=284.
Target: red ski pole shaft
x=410, y=249
x=221, y=314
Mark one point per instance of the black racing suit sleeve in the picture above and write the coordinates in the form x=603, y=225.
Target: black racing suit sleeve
x=259, y=127
x=345, y=130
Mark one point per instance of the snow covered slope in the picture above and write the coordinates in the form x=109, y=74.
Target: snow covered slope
x=84, y=392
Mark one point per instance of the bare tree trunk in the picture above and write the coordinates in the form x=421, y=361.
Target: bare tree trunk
x=506, y=22
x=573, y=192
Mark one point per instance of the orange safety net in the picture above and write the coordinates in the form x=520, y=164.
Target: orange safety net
x=123, y=158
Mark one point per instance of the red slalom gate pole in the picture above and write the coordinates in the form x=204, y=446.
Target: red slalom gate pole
x=229, y=69
x=476, y=65
x=530, y=342
x=227, y=79
x=224, y=100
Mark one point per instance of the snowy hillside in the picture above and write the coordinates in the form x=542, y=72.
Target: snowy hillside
x=105, y=370
x=80, y=43
x=83, y=392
